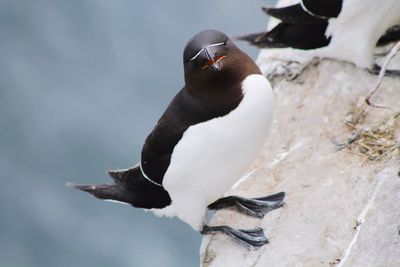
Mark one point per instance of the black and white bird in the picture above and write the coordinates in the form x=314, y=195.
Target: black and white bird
x=204, y=142
x=347, y=30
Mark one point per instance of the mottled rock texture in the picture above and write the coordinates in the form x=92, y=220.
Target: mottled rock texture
x=343, y=206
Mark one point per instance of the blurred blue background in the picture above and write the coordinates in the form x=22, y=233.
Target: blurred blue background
x=81, y=85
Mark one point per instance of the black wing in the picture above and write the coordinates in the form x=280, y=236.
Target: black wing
x=323, y=8
x=303, y=25
x=300, y=36
x=142, y=187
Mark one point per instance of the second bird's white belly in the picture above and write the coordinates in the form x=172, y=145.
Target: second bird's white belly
x=357, y=29
x=213, y=155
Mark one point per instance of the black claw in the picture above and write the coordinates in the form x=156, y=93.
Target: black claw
x=256, y=207
x=275, y=197
x=251, y=238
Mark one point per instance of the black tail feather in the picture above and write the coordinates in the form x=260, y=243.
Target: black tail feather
x=86, y=188
x=256, y=39
x=130, y=186
x=112, y=192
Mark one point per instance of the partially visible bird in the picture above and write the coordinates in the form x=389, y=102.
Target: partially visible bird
x=204, y=142
x=347, y=30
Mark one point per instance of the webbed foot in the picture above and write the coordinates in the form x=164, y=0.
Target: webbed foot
x=250, y=238
x=256, y=207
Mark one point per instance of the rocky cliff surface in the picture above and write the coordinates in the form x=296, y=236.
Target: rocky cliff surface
x=338, y=160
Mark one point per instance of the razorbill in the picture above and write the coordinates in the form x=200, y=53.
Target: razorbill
x=207, y=138
x=347, y=30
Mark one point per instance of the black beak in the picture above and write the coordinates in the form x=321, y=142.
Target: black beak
x=213, y=61
x=208, y=55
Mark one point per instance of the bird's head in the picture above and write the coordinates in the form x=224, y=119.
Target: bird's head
x=206, y=51
x=213, y=63
x=209, y=57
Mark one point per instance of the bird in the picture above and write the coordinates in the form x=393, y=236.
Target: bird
x=204, y=142
x=346, y=30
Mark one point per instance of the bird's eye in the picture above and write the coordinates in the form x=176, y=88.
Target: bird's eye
x=225, y=42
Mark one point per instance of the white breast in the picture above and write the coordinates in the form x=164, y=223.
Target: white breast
x=213, y=155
